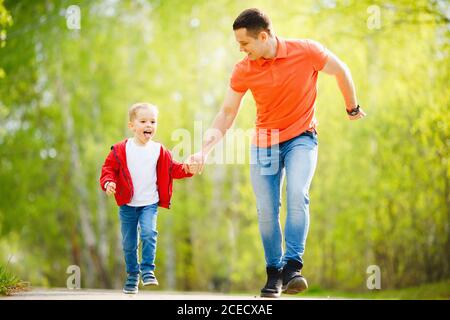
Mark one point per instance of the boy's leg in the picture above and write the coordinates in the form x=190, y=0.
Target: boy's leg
x=129, y=224
x=147, y=221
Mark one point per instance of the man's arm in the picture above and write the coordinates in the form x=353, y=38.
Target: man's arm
x=222, y=122
x=334, y=66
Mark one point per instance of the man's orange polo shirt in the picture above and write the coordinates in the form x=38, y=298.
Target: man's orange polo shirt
x=284, y=89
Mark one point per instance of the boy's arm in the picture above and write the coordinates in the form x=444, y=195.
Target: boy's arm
x=109, y=170
x=178, y=171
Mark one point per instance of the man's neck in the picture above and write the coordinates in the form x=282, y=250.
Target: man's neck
x=272, y=50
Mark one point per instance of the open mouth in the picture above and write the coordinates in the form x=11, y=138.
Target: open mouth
x=148, y=133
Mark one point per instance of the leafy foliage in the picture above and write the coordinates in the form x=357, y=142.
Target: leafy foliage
x=380, y=194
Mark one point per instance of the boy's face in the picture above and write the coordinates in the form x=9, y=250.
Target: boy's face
x=144, y=125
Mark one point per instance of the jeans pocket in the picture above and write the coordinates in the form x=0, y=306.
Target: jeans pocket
x=312, y=136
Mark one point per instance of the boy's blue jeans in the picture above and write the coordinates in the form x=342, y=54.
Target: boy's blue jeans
x=145, y=218
x=295, y=158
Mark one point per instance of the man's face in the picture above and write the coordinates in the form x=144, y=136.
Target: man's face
x=253, y=47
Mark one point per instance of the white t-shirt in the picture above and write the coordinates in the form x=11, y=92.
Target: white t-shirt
x=141, y=162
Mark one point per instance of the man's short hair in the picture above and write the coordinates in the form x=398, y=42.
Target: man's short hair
x=141, y=105
x=254, y=20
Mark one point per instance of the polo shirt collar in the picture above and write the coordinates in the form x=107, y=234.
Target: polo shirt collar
x=281, y=52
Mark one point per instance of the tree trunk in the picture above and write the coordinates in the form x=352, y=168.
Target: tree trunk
x=78, y=180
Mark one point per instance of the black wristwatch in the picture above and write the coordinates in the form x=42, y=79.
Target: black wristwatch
x=354, y=111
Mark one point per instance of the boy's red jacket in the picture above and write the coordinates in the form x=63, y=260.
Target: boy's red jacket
x=115, y=169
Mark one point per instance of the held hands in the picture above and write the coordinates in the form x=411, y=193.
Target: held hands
x=110, y=188
x=194, y=163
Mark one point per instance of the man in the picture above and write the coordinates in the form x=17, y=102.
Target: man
x=282, y=76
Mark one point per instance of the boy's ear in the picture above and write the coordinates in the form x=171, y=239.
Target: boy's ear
x=130, y=125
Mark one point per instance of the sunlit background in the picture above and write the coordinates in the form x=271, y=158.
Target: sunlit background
x=380, y=195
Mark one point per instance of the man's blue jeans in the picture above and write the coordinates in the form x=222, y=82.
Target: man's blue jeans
x=145, y=218
x=295, y=158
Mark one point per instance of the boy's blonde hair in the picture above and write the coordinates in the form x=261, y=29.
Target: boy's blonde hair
x=140, y=105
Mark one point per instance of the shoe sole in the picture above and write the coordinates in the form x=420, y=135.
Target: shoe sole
x=130, y=291
x=150, y=283
x=296, y=285
x=270, y=295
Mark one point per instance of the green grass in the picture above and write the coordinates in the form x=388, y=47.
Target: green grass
x=432, y=291
x=10, y=283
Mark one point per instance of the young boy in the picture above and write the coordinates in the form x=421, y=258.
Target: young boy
x=139, y=172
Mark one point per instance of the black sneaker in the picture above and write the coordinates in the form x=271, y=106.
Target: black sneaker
x=293, y=281
x=272, y=289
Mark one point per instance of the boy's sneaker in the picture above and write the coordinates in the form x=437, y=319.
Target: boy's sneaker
x=149, y=279
x=272, y=289
x=132, y=283
x=293, y=281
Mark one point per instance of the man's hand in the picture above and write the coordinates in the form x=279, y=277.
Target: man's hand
x=334, y=66
x=110, y=188
x=359, y=115
x=194, y=163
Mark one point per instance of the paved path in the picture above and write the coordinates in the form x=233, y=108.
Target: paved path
x=94, y=294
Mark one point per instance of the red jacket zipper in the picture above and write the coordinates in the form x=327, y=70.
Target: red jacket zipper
x=123, y=171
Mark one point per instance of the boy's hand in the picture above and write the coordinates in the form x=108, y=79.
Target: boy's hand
x=189, y=167
x=194, y=163
x=110, y=188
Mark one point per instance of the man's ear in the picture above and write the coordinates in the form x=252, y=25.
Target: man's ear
x=263, y=36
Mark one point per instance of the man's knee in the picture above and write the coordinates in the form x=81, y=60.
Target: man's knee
x=266, y=215
x=298, y=199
